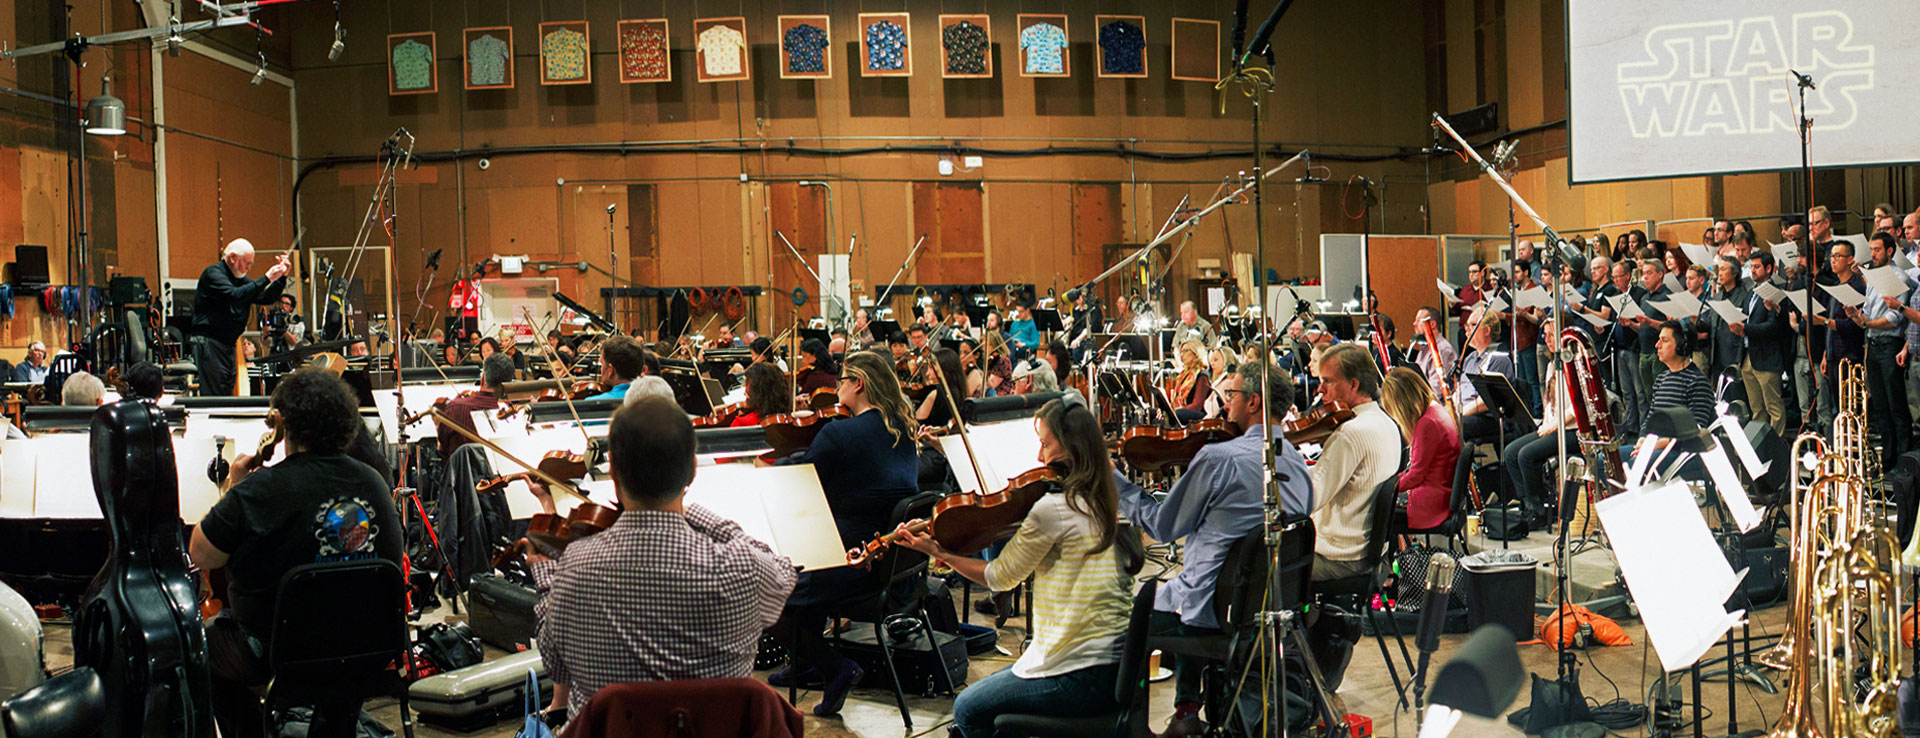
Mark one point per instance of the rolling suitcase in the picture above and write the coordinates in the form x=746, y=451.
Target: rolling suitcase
x=479, y=695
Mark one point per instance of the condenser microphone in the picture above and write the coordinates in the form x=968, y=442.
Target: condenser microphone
x=1433, y=614
x=433, y=259
x=1804, y=80
x=610, y=208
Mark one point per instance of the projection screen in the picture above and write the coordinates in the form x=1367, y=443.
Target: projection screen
x=1658, y=88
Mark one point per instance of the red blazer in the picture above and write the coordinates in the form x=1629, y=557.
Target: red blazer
x=1428, y=480
x=708, y=708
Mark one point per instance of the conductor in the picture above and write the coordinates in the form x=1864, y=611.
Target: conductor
x=221, y=302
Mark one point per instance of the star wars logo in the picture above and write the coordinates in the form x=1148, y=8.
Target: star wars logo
x=1732, y=77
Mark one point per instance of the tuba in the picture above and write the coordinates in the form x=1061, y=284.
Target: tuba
x=1842, y=649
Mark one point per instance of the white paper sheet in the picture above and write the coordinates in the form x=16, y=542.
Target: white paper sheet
x=1770, y=293
x=1684, y=305
x=1005, y=450
x=1678, y=576
x=1451, y=295
x=782, y=506
x=1595, y=319
x=1698, y=254
x=1727, y=311
x=1798, y=298
x=1845, y=294
x=1901, y=260
x=1727, y=483
x=1533, y=297
x=1888, y=281
x=1741, y=446
x=1673, y=283
x=419, y=397
x=1629, y=309
x=1494, y=303
x=1859, y=242
x=1786, y=252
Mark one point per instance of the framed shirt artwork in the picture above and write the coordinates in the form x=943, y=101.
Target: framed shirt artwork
x=806, y=47
x=645, y=53
x=564, y=54
x=1043, y=46
x=410, y=64
x=885, y=45
x=966, y=47
x=1122, y=45
x=721, y=44
x=488, y=57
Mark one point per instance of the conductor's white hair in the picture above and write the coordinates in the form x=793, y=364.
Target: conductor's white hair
x=238, y=246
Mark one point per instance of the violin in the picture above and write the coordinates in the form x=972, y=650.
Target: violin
x=557, y=464
x=557, y=531
x=1153, y=450
x=721, y=416
x=788, y=434
x=965, y=523
x=823, y=399
x=1318, y=424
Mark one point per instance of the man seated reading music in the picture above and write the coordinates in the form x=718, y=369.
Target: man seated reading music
x=670, y=591
x=318, y=504
x=495, y=372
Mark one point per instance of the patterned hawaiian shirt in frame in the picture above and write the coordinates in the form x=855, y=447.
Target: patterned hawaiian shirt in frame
x=1045, y=44
x=720, y=51
x=1123, y=48
x=806, y=46
x=643, y=52
x=564, y=54
x=966, y=46
x=412, y=66
x=487, y=59
x=886, y=46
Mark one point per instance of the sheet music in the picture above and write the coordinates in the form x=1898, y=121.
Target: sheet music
x=1697, y=253
x=1447, y=291
x=1495, y=304
x=1786, y=252
x=1592, y=318
x=1770, y=293
x=1677, y=574
x=1798, y=298
x=1685, y=305
x=1673, y=283
x=1845, y=294
x=1533, y=297
x=781, y=506
x=1727, y=311
x=1888, y=281
x=1005, y=450
x=1625, y=308
x=1859, y=242
x=1900, y=260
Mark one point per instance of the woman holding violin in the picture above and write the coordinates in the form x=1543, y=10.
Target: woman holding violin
x=970, y=364
x=933, y=410
x=1082, y=565
x=816, y=370
x=1192, y=386
x=766, y=396
x=999, y=366
x=867, y=463
x=1221, y=362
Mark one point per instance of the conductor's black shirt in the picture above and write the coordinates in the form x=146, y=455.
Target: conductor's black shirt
x=221, y=301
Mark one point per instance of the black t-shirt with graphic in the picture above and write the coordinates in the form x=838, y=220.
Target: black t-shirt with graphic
x=311, y=507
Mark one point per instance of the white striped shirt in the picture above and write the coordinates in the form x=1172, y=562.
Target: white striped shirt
x=1081, y=602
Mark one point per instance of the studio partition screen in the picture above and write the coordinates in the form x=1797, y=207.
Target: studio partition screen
x=1658, y=88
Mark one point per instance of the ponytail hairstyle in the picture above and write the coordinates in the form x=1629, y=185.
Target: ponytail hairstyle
x=883, y=392
x=1089, y=479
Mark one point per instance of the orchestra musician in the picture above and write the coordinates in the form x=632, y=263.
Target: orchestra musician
x=817, y=370
x=696, y=607
x=867, y=464
x=933, y=410
x=221, y=300
x=999, y=366
x=1359, y=455
x=495, y=372
x=1217, y=501
x=318, y=504
x=1192, y=387
x=725, y=340
x=1221, y=362
x=1477, y=420
x=622, y=360
x=862, y=334
x=1191, y=327
x=1082, y=566
x=976, y=379
x=766, y=392
x=901, y=350
x=34, y=368
x=1427, y=486
x=1033, y=376
x=1086, y=320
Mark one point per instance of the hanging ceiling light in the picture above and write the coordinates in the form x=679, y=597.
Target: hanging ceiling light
x=106, y=114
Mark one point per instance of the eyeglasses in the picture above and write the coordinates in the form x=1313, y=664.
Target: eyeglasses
x=846, y=378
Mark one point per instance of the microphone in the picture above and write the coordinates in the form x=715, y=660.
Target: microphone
x=1804, y=80
x=1433, y=614
x=433, y=259
x=1239, y=28
x=1261, y=38
x=610, y=208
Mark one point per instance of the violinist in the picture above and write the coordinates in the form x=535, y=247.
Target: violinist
x=1191, y=328
x=495, y=372
x=917, y=337
x=1022, y=334
x=1193, y=385
x=670, y=590
x=1219, y=500
x=1082, y=566
x=1033, y=376
x=862, y=334
x=933, y=410
x=622, y=360
x=902, y=357
x=766, y=396
x=725, y=340
x=1057, y=359
x=761, y=350
x=817, y=370
x=867, y=463
x=1220, y=362
x=837, y=342
x=317, y=504
x=1359, y=455
x=976, y=379
x=999, y=366
x=1086, y=320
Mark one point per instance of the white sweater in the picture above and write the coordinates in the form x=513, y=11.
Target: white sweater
x=1360, y=455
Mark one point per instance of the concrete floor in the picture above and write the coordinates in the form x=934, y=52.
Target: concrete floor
x=1606, y=673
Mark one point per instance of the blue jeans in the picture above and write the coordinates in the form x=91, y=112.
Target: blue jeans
x=1082, y=692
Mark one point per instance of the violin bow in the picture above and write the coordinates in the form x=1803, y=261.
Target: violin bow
x=946, y=393
x=553, y=363
x=552, y=483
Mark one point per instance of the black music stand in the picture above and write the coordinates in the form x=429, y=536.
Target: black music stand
x=1129, y=347
x=690, y=390
x=883, y=329
x=817, y=334
x=1047, y=320
x=1504, y=400
x=977, y=314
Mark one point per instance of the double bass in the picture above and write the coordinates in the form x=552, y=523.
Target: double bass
x=139, y=625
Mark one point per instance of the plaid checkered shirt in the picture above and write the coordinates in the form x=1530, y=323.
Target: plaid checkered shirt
x=658, y=596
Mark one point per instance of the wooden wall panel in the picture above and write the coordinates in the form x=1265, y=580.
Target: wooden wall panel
x=1400, y=271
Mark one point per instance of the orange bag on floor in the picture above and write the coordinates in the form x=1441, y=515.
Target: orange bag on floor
x=1606, y=632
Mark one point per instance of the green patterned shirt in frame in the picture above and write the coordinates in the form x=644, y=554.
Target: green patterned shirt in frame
x=412, y=66
x=564, y=52
x=487, y=61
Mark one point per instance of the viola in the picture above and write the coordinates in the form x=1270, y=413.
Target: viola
x=823, y=399
x=557, y=531
x=1318, y=424
x=966, y=523
x=1153, y=450
x=721, y=417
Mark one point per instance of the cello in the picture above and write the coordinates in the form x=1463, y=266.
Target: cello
x=139, y=625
